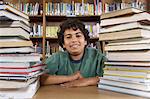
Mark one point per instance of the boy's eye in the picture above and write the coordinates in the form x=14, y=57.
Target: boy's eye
x=78, y=35
x=68, y=37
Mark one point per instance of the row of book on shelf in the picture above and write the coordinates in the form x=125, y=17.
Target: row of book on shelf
x=75, y=8
x=20, y=67
x=51, y=30
x=126, y=34
x=61, y=8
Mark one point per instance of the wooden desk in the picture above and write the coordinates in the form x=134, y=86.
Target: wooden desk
x=90, y=92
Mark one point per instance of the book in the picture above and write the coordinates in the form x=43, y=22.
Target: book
x=144, y=16
x=33, y=57
x=16, y=44
x=16, y=83
x=124, y=90
x=143, y=55
x=136, y=86
x=124, y=63
x=5, y=16
x=125, y=34
x=15, y=24
x=125, y=26
x=19, y=32
x=17, y=50
x=13, y=10
x=134, y=74
x=128, y=68
x=121, y=12
x=130, y=42
x=21, y=76
x=128, y=79
x=19, y=64
x=23, y=70
x=18, y=93
x=127, y=47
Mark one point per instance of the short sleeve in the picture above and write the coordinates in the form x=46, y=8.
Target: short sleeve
x=100, y=64
x=52, y=64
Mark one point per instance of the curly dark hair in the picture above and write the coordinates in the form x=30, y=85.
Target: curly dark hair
x=72, y=24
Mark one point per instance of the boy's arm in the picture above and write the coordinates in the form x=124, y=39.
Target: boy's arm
x=56, y=79
x=82, y=82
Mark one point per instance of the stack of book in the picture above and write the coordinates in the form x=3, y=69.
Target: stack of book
x=20, y=67
x=126, y=34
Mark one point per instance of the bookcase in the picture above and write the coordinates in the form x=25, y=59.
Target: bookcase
x=46, y=13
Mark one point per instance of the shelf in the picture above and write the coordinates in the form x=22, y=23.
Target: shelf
x=81, y=18
x=39, y=18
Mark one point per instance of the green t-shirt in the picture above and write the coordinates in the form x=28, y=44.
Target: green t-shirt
x=90, y=65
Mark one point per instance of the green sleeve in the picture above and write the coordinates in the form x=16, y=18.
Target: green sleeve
x=52, y=64
x=100, y=65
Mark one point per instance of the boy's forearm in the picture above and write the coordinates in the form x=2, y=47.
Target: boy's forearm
x=55, y=79
x=82, y=82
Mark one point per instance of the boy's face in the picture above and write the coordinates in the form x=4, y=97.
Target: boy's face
x=74, y=41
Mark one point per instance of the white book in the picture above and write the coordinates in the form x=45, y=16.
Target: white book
x=19, y=93
x=124, y=35
x=124, y=90
x=13, y=76
x=15, y=24
x=127, y=73
x=16, y=83
x=14, y=32
x=127, y=68
x=33, y=57
x=5, y=15
x=121, y=12
x=143, y=87
x=128, y=79
x=17, y=50
x=131, y=42
x=126, y=19
x=128, y=63
x=23, y=70
x=143, y=55
x=14, y=10
x=127, y=47
x=125, y=26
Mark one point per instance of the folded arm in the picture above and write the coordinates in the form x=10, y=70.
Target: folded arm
x=82, y=82
x=58, y=79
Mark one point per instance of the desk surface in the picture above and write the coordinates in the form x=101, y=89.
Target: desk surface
x=90, y=92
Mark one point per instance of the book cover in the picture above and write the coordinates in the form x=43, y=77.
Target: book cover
x=125, y=34
x=33, y=57
x=125, y=26
x=134, y=74
x=10, y=32
x=121, y=12
x=5, y=15
x=127, y=47
x=13, y=10
x=17, y=50
x=136, y=86
x=124, y=90
x=125, y=19
x=15, y=24
x=127, y=63
x=142, y=55
x=11, y=84
x=33, y=68
x=18, y=93
x=7, y=44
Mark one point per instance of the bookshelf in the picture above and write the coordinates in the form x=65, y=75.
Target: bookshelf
x=40, y=14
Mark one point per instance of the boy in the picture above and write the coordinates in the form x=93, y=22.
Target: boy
x=78, y=65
